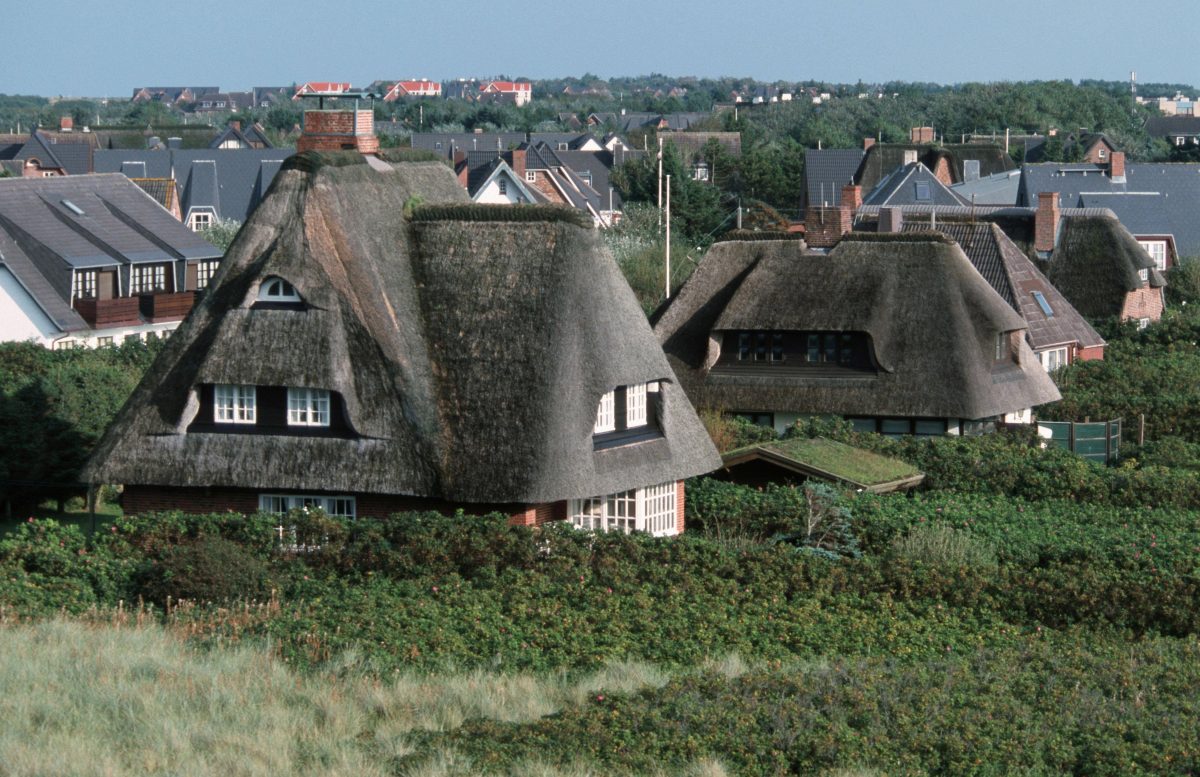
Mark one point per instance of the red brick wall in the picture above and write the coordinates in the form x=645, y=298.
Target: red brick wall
x=334, y=130
x=680, y=504
x=1046, y=222
x=146, y=499
x=543, y=185
x=1090, y=354
x=1146, y=302
x=824, y=227
x=942, y=172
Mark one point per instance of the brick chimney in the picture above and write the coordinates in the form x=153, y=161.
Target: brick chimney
x=338, y=130
x=852, y=197
x=518, y=163
x=1045, y=224
x=66, y=124
x=824, y=227
x=921, y=134
x=1116, y=167
x=891, y=219
x=867, y=143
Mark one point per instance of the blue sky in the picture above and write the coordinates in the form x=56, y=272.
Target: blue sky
x=98, y=49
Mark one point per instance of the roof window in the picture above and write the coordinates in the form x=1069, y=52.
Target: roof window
x=78, y=211
x=276, y=289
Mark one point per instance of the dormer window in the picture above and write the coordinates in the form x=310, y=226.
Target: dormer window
x=276, y=289
x=308, y=407
x=627, y=411
x=234, y=404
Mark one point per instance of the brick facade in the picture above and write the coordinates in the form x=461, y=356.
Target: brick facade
x=1090, y=354
x=679, y=506
x=942, y=171
x=1045, y=223
x=824, y=227
x=1146, y=302
x=338, y=131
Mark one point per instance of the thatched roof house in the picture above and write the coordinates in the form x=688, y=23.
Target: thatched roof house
x=1103, y=270
x=369, y=354
x=898, y=333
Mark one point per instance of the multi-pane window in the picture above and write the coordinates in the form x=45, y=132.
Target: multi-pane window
x=502, y=185
x=275, y=289
x=635, y=405
x=606, y=416
x=651, y=509
x=205, y=272
x=201, y=221
x=85, y=284
x=531, y=176
x=282, y=503
x=308, y=407
x=1001, y=346
x=1158, y=252
x=234, y=404
x=1053, y=359
x=104, y=342
x=148, y=278
x=760, y=346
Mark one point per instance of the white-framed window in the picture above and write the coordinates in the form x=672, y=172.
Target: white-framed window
x=276, y=289
x=147, y=278
x=531, y=176
x=308, y=407
x=1180, y=140
x=1053, y=359
x=635, y=405
x=205, y=272
x=1102, y=153
x=65, y=345
x=85, y=284
x=200, y=221
x=502, y=185
x=651, y=509
x=332, y=505
x=606, y=416
x=1158, y=252
x=1144, y=274
x=1001, y=345
x=234, y=404
x=1143, y=323
x=104, y=342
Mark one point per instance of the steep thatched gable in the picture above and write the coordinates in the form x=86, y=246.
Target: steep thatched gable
x=931, y=319
x=1097, y=263
x=470, y=354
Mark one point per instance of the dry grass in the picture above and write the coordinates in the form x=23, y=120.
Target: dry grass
x=127, y=697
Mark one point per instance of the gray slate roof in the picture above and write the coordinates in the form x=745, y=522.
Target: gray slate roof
x=447, y=142
x=912, y=184
x=929, y=314
x=1015, y=278
x=232, y=181
x=471, y=355
x=42, y=239
x=996, y=189
x=826, y=171
x=1170, y=126
x=1155, y=198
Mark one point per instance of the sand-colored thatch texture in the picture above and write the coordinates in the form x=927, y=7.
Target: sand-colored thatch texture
x=931, y=318
x=471, y=355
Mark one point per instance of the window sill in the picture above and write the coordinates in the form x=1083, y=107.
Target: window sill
x=624, y=437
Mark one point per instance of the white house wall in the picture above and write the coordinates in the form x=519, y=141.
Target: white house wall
x=20, y=317
x=491, y=195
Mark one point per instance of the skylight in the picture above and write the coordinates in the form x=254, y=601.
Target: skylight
x=923, y=190
x=1043, y=304
x=78, y=211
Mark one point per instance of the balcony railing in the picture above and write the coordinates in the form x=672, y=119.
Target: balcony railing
x=100, y=313
x=156, y=308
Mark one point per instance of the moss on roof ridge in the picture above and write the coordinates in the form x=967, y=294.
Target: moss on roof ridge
x=735, y=235
x=509, y=213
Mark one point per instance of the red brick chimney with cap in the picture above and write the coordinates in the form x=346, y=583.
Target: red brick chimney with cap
x=518, y=163
x=824, y=227
x=1116, y=166
x=338, y=130
x=66, y=123
x=1045, y=224
x=867, y=143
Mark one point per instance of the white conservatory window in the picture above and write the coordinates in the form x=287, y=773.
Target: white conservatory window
x=332, y=505
x=635, y=405
x=650, y=509
x=1053, y=359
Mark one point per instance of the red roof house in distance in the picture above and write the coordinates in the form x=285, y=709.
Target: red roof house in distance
x=403, y=89
x=321, y=87
x=520, y=92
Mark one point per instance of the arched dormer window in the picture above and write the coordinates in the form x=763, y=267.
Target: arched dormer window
x=276, y=289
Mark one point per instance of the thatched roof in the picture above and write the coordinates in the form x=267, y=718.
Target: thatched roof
x=471, y=355
x=1096, y=263
x=931, y=317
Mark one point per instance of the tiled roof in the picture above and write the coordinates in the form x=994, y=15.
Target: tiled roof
x=826, y=171
x=913, y=184
x=161, y=189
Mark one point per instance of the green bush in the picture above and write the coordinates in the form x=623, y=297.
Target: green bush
x=206, y=569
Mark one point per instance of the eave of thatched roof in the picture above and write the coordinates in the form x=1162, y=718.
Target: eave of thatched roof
x=471, y=354
x=931, y=318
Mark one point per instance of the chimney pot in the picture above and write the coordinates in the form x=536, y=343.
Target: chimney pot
x=66, y=123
